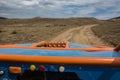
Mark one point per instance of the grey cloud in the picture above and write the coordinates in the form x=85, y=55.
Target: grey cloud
x=60, y=8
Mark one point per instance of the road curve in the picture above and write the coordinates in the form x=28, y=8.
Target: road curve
x=81, y=35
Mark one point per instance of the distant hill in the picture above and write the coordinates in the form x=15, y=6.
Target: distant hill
x=3, y=18
x=116, y=18
x=109, y=30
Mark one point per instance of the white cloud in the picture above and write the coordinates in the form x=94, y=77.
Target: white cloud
x=107, y=15
x=30, y=3
x=63, y=8
x=85, y=12
x=4, y=14
x=10, y=4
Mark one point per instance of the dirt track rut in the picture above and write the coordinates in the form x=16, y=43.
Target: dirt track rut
x=81, y=35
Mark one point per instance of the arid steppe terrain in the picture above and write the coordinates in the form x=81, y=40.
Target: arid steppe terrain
x=88, y=31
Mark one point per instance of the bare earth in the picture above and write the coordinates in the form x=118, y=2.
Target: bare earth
x=81, y=35
x=76, y=30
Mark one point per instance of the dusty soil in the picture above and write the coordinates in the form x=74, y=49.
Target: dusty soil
x=108, y=31
x=82, y=35
x=77, y=30
x=20, y=31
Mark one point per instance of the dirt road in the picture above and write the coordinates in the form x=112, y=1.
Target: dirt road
x=81, y=35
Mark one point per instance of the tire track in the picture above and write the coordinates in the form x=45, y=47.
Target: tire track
x=81, y=35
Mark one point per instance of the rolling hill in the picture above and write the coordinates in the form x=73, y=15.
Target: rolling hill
x=37, y=29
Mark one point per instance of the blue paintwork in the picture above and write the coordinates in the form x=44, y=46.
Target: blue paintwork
x=80, y=53
x=84, y=72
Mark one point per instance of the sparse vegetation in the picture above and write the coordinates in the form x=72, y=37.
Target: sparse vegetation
x=14, y=32
x=1, y=31
x=39, y=29
x=108, y=31
x=3, y=18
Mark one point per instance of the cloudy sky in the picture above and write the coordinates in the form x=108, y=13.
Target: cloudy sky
x=100, y=9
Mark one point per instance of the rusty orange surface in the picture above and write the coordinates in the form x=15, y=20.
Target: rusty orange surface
x=34, y=46
x=15, y=70
x=60, y=60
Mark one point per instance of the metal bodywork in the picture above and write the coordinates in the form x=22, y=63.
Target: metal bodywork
x=87, y=62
